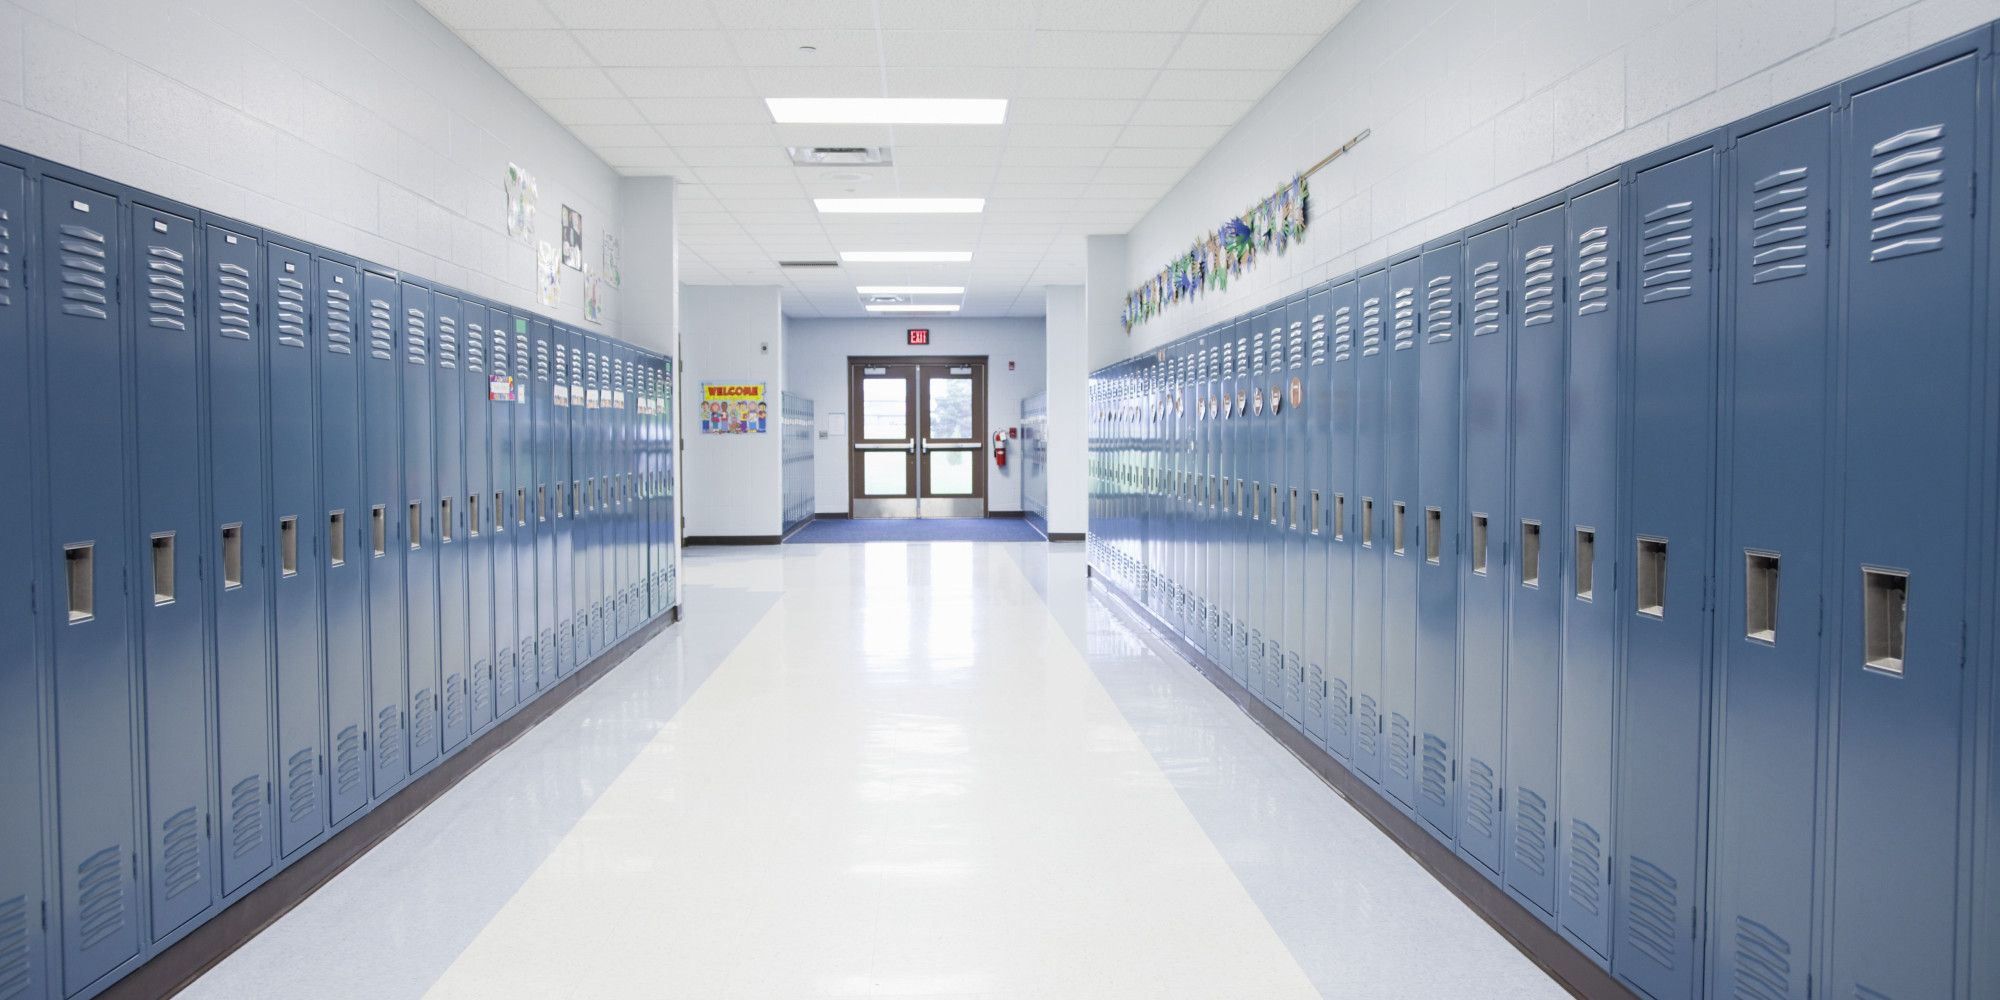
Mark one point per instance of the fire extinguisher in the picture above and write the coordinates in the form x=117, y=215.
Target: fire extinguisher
x=1000, y=448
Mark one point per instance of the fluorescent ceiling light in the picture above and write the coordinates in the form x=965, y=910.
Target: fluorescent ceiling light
x=906, y=256
x=906, y=206
x=886, y=111
x=911, y=290
x=912, y=309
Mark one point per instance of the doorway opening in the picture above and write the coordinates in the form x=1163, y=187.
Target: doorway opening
x=917, y=430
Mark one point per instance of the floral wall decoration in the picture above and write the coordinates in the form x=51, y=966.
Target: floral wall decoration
x=1269, y=227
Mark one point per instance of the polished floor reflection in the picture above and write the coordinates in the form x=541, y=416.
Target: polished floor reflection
x=887, y=770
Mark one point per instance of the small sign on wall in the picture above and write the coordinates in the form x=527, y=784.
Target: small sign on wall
x=737, y=408
x=920, y=338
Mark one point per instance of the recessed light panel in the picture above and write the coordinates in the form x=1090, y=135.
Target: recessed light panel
x=911, y=290
x=912, y=309
x=906, y=256
x=886, y=111
x=901, y=206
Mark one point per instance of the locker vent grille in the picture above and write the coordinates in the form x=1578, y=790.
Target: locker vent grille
x=1538, y=286
x=381, y=331
x=447, y=342
x=1480, y=799
x=100, y=896
x=475, y=347
x=347, y=761
x=1440, y=310
x=1779, y=226
x=1399, y=745
x=1366, y=734
x=1763, y=963
x=1317, y=347
x=6, y=299
x=14, y=948
x=541, y=361
x=291, y=312
x=482, y=686
x=521, y=356
x=503, y=676
x=388, y=738
x=1667, y=258
x=454, y=703
x=232, y=308
x=423, y=718
x=1406, y=318
x=166, y=288
x=499, y=352
x=1436, y=769
x=1257, y=356
x=1371, y=327
x=1486, y=298
x=1343, y=333
x=1593, y=271
x=1864, y=993
x=1908, y=191
x=1531, y=831
x=180, y=852
x=246, y=816
x=83, y=272
x=416, y=336
x=1586, y=867
x=302, y=785
x=1649, y=924
x=339, y=321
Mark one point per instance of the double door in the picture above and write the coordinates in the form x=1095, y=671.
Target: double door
x=918, y=433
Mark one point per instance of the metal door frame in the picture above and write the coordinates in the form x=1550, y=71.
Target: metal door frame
x=918, y=504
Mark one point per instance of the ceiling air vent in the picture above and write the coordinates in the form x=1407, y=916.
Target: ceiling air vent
x=839, y=156
x=808, y=263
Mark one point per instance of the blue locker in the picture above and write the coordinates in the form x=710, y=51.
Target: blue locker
x=506, y=585
x=418, y=513
x=1317, y=480
x=542, y=412
x=1215, y=501
x=634, y=557
x=1181, y=488
x=453, y=623
x=587, y=545
x=526, y=662
x=1402, y=519
x=1258, y=453
x=344, y=496
x=1269, y=582
x=1483, y=587
x=1246, y=487
x=1770, y=565
x=1342, y=519
x=1371, y=519
x=240, y=542
x=670, y=456
x=386, y=546
x=295, y=572
x=1590, y=623
x=620, y=498
x=23, y=893
x=1917, y=358
x=482, y=518
x=1439, y=511
x=565, y=501
x=173, y=616
x=90, y=661
x=1662, y=716
x=1534, y=608
x=1289, y=397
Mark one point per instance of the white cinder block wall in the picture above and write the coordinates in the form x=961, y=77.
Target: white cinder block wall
x=732, y=485
x=1480, y=105
x=361, y=125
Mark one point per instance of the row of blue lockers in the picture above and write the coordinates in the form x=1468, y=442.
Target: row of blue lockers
x=1637, y=542
x=295, y=528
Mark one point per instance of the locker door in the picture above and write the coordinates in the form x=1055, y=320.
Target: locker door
x=506, y=581
x=343, y=516
x=1909, y=153
x=1342, y=519
x=1438, y=511
x=1591, y=419
x=448, y=409
x=543, y=408
x=1215, y=487
x=1245, y=486
x=299, y=536
x=1769, y=643
x=527, y=573
x=1316, y=505
x=669, y=520
x=1371, y=519
x=22, y=891
x=1289, y=395
x=417, y=516
x=1402, y=519
x=91, y=659
x=384, y=544
x=564, y=475
x=479, y=516
x=173, y=615
x=1483, y=538
x=620, y=494
x=1183, y=497
x=1666, y=657
x=1270, y=554
x=1534, y=625
x=240, y=539
x=588, y=552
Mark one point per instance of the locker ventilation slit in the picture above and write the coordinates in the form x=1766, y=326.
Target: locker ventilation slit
x=1481, y=798
x=338, y=323
x=180, y=851
x=381, y=331
x=14, y=951
x=246, y=816
x=1907, y=195
x=1666, y=265
x=1440, y=310
x=1369, y=726
x=84, y=285
x=1586, y=867
x=1760, y=596
x=302, y=785
x=1399, y=745
x=6, y=299
x=447, y=343
x=1371, y=327
x=1436, y=774
x=347, y=764
x=1763, y=968
x=1406, y=319
x=1864, y=993
x=232, y=306
x=291, y=312
x=1486, y=298
x=1338, y=710
x=100, y=896
x=166, y=289
x=1538, y=295
x=1650, y=923
x=163, y=568
x=388, y=738
x=454, y=702
x=1343, y=335
x=1780, y=223
x=423, y=723
x=1593, y=271
x=416, y=336
x=1531, y=831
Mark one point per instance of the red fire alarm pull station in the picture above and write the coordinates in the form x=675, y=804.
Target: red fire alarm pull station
x=920, y=338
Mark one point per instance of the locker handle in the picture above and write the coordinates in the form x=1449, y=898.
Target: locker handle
x=378, y=530
x=1760, y=595
x=1652, y=571
x=1586, y=563
x=1885, y=618
x=78, y=563
x=1531, y=553
x=232, y=556
x=163, y=568
x=1479, y=544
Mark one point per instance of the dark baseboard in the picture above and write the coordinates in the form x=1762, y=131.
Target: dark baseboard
x=1066, y=536
x=1542, y=944
x=173, y=969
x=1007, y=513
x=842, y=516
x=693, y=540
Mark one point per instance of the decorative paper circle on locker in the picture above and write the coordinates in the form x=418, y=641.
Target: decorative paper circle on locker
x=1298, y=392
x=1259, y=404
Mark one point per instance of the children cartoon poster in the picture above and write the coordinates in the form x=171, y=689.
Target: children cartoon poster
x=735, y=408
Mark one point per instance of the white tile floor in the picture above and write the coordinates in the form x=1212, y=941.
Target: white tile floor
x=890, y=770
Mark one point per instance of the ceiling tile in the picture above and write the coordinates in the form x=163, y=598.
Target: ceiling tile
x=815, y=81
x=833, y=135
x=1153, y=136
x=545, y=83
x=1052, y=156
x=1131, y=49
x=1062, y=135
x=700, y=111
x=1063, y=111
x=657, y=48
x=714, y=177
x=1098, y=83
x=962, y=16
x=1117, y=15
x=487, y=14
x=640, y=156
x=620, y=15
x=1280, y=51
x=947, y=156
x=1071, y=174
x=1139, y=175
x=616, y=135
x=790, y=14
x=589, y=111
x=1153, y=157
x=832, y=47
x=956, y=48
x=952, y=81
x=713, y=133
x=1191, y=112
x=735, y=156
x=510, y=48
x=682, y=82
x=1214, y=84
x=1306, y=17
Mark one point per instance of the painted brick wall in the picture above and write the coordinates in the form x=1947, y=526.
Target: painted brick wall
x=362, y=125
x=1480, y=105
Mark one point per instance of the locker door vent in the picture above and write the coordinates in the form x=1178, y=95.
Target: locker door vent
x=447, y=343
x=1436, y=773
x=1371, y=327
x=166, y=289
x=1481, y=797
x=423, y=717
x=1654, y=898
x=1909, y=188
x=388, y=738
x=1531, y=831
x=381, y=331
x=1666, y=265
x=1343, y=333
x=1366, y=734
x=82, y=579
x=180, y=855
x=13, y=947
x=6, y=299
x=338, y=321
x=1885, y=599
x=1593, y=271
x=1440, y=311
x=475, y=348
x=100, y=896
x=415, y=524
x=1538, y=286
x=1340, y=517
x=446, y=525
x=290, y=308
x=1405, y=330
x=347, y=771
x=416, y=337
x=163, y=568
x=1763, y=962
x=1780, y=220
x=302, y=785
x=83, y=273
x=473, y=524
x=1586, y=867
x=1367, y=522
x=1486, y=299
x=232, y=307
x=454, y=702
x=1337, y=709
x=246, y=816
x=482, y=687
x=1399, y=745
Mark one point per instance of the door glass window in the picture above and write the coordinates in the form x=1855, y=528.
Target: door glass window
x=951, y=410
x=885, y=473
x=883, y=413
x=951, y=473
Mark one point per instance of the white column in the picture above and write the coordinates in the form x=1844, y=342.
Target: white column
x=732, y=484
x=1068, y=348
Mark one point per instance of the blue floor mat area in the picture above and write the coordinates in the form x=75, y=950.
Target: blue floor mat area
x=956, y=529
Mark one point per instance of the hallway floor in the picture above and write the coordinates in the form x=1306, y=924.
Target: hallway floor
x=939, y=770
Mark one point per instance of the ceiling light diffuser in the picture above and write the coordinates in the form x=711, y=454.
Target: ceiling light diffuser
x=886, y=110
x=906, y=256
x=912, y=309
x=910, y=290
x=901, y=206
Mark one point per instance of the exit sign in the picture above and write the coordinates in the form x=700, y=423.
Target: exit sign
x=920, y=338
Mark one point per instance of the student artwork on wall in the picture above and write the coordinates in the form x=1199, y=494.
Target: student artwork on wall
x=521, y=195
x=548, y=274
x=593, y=294
x=733, y=408
x=1269, y=227
x=611, y=275
x=572, y=239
